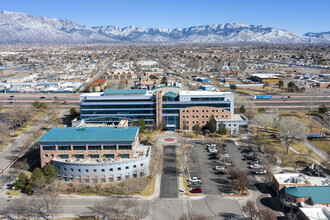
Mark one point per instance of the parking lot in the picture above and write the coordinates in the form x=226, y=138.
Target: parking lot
x=214, y=184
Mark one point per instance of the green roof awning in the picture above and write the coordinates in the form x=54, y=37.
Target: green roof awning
x=124, y=91
x=172, y=95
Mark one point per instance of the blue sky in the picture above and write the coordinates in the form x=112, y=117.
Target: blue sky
x=299, y=16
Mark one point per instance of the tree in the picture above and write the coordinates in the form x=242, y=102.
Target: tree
x=323, y=109
x=22, y=181
x=250, y=209
x=153, y=77
x=222, y=129
x=242, y=181
x=47, y=204
x=266, y=215
x=280, y=84
x=140, y=212
x=128, y=204
x=232, y=86
x=141, y=123
x=50, y=173
x=104, y=208
x=290, y=130
x=242, y=109
x=37, y=179
x=164, y=80
x=197, y=129
x=291, y=86
x=212, y=124
x=264, y=119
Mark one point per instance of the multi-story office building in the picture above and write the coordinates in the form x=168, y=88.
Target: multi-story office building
x=161, y=108
x=95, y=154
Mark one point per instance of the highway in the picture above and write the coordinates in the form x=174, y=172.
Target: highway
x=295, y=101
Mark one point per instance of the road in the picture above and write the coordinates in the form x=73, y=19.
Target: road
x=295, y=102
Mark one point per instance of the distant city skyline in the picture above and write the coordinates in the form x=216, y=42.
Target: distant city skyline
x=297, y=16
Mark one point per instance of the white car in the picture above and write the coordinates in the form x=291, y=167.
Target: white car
x=195, y=180
x=224, y=155
x=260, y=172
x=219, y=168
x=256, y=166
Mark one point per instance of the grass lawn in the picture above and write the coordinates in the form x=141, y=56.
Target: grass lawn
x=12, y=192
x=312, y=125
x=273, y=146
x=28, y=125
x=322, y=144
x=149, y=190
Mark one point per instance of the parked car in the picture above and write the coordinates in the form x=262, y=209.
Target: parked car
x=212, y=154
x=195, y=180
x=55, y=97
x=242, y=148
x=12, y=96
x=213, y=158
x=219, y=168
x=229, y=163
x=246, y=150
x=249, y=157
x=221, y=173
x=256, y=166
x=192, y=185
x=260, y=172
x=196, y=190
x=253, y=162
x=42, y=97
x=224, y=155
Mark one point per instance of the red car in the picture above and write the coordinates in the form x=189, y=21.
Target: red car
x=196, y=190
x=221, y=173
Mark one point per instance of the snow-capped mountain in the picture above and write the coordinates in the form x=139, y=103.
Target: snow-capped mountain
x=322, y=35
x=22, y=28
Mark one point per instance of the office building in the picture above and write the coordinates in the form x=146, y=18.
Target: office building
x=95, y=154
x=166, y=108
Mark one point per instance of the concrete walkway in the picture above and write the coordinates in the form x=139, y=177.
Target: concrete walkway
x=317, y=150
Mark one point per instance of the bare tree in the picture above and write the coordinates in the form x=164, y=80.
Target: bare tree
x=140, y=212
x=266, y=215
x=47, y=204
x=290, y=130
x=269, y=167
x=242, y=181
x=128, y=203
x=250, y=209
x=18, y=207
x=265, y=119
x=104, y=208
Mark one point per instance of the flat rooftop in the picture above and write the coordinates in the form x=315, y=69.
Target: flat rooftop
x=90, y=134
x=318, y=194
x=291, y=178
x=203, y=92
x=235, y=117
x=124, y=91
x=321, y=213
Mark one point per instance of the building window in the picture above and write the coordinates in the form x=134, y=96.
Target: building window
x=216, y=110
x=234, y=124
x=79, y=147
x=187, y=110
x=64, y=156
x=102, y=170
x=94, y=147
x=202, y=110
x=71, y=170
x=58, y=168
x=64, y=147
x=111, y=169
x=183, y=116
x=108, y=147
x=79, y=170
x=119, y=168
x=193, y=110
x=193, y=122
x=119, y=178
x=134, y=166
x=212, y=110
x=203, y=122
x=183, y=111
x=94, y=170
x=109, y=156
x=48, y=147
x=125, y=147
x=141, y=164
x=94, y=155
x=196, y=116
x=64, y=169
x=226, y=116
x=124, y=155
x=87, y=170
x=127, y=167
x=79, y=156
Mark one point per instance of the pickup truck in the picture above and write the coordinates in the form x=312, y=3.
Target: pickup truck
x=262, y=97
x=195, y=180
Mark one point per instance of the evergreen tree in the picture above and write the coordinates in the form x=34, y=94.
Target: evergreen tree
x=291, y=86
x=323, y=109
x=242, y=109
x=212, y=124
x=222, y=129
x=22, y=181
x=50, y=173
x=37, y=178
x=164, y=80
x=142, y=125
x=280, y=84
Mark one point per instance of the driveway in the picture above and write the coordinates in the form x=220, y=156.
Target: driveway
x=169, y=183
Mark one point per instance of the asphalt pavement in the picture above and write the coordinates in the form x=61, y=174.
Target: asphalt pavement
x=169, y=182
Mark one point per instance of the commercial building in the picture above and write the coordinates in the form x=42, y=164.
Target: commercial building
x=6, y=71
x=311, y=195
x=266, y=78
x=322, y=213
x=95, y=154
x=165, y=107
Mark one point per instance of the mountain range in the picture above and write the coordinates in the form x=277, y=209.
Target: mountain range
x=16, y=27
